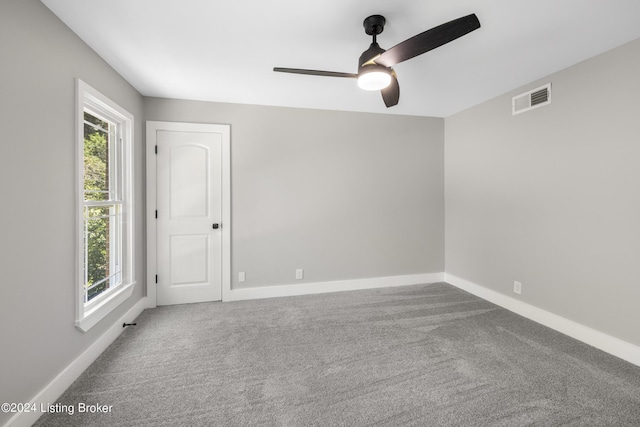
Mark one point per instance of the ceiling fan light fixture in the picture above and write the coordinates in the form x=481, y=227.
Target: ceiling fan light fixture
x=374, y=77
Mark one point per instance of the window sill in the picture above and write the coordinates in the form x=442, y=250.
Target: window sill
x=91, y=317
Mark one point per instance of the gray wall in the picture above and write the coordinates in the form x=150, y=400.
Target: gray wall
x=342, y=195
x=551, y=197
x=40, y=60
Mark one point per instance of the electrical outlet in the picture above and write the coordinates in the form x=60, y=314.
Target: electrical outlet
x=299, y=274
x=517, y=287
x=241, y=276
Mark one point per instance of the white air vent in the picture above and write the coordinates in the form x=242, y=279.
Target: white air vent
x=533, y=99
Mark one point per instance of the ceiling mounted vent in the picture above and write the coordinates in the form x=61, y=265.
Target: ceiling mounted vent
x=533, y=99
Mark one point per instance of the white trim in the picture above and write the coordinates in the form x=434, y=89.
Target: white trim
x=105, y=306
x=88, y=316
x=52, y=391
x=152, y=128
x=597, y=339
x=226, y=213
x=333, y=286
x=150, y=288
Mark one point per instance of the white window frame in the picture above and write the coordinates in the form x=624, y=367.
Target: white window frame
x=90, y=313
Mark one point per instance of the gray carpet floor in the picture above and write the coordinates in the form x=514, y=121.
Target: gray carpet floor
x=425, y=355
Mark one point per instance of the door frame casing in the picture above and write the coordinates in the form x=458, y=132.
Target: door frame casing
x=152, y=129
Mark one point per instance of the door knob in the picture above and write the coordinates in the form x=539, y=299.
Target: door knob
x=216, y=226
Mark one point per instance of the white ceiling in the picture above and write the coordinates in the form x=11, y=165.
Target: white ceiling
x=225, y=50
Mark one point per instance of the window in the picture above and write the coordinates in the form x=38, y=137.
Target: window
x=105, y=206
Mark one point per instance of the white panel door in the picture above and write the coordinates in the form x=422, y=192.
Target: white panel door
x=189, y=243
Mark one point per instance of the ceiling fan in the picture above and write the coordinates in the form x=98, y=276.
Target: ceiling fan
x=375, y=70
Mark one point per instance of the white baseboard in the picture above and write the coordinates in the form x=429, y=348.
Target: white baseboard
x=52, y=391
x=597, y=339
x=334, y=286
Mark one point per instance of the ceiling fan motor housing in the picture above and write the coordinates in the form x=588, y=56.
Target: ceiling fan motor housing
x=373, y=51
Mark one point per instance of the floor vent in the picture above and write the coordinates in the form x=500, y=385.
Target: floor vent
x=533, y=99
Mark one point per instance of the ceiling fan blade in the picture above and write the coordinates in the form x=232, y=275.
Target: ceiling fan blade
x=315, y=72
x=428, y=40
x=391, y=93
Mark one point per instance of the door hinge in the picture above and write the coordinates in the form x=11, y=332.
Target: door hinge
x=156, y=214
x=156, y=278
x=156, y=149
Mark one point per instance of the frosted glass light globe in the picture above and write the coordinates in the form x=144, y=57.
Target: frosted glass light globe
x=374, y=80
